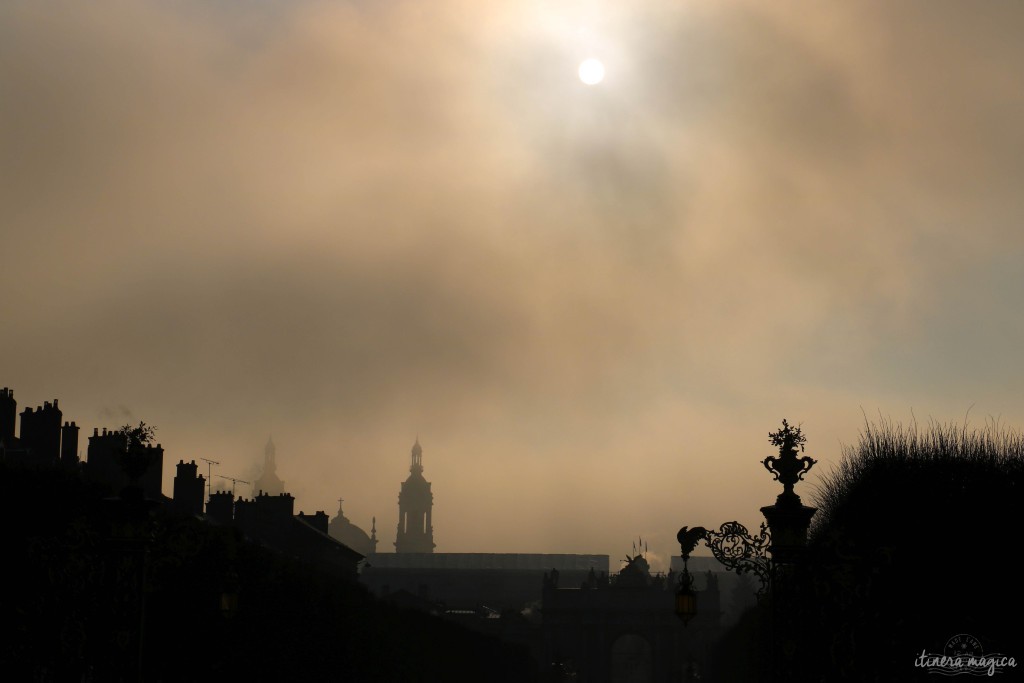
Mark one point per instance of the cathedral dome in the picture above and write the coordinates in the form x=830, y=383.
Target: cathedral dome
x=340, y=528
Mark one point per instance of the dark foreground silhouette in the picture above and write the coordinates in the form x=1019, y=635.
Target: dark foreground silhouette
x=106, y=588
x=912, y=545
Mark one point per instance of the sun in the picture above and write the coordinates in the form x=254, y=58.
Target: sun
x=591, y=71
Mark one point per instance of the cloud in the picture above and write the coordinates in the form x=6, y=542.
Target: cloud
x=349, y=223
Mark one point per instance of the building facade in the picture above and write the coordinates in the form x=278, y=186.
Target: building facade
x=624, y=630
x=469, y=581
x=43, y=440
x=415, y=503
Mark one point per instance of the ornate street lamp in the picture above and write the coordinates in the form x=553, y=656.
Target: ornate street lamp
x=771, y=555
x=686, y=598
x=782, y=537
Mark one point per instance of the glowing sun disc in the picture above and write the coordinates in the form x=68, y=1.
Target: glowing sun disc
x=591, y=71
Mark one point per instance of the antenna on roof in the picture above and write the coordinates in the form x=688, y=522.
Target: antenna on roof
x=233, y=482
x=209, y=477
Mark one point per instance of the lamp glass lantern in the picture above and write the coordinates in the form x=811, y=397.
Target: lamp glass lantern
x=686, y=597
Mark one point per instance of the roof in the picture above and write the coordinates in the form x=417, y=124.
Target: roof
x=504, y=561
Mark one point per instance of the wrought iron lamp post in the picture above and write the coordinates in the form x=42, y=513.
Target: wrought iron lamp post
x=774, y=552
x=686, y=598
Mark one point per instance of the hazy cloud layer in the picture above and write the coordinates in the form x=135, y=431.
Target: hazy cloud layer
x=347, y=224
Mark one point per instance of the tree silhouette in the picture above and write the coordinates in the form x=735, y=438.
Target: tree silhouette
x=898, y=548
x=140, y=435
x=136, y=458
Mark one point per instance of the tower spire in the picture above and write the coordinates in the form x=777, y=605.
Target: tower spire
x=415, y=501
x=268, y=483
x=417, y=457
x=269, y=456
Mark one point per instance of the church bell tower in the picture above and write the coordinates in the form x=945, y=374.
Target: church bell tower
x=415, y=531
x=269, y=483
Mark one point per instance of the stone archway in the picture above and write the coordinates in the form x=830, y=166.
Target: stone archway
x=632, y=660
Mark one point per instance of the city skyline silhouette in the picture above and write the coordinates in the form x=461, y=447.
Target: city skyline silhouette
x=352, y=226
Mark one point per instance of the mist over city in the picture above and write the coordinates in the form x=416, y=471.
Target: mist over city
x=585, y=256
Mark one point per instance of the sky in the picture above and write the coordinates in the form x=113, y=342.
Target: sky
x=351, y=224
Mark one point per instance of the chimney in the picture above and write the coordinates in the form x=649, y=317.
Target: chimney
x=8, y=415
x=69, y=444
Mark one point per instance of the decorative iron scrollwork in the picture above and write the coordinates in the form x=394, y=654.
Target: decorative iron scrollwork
x=734, y=547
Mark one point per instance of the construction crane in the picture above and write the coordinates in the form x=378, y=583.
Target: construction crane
x=233, y=482
x=209, y=477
